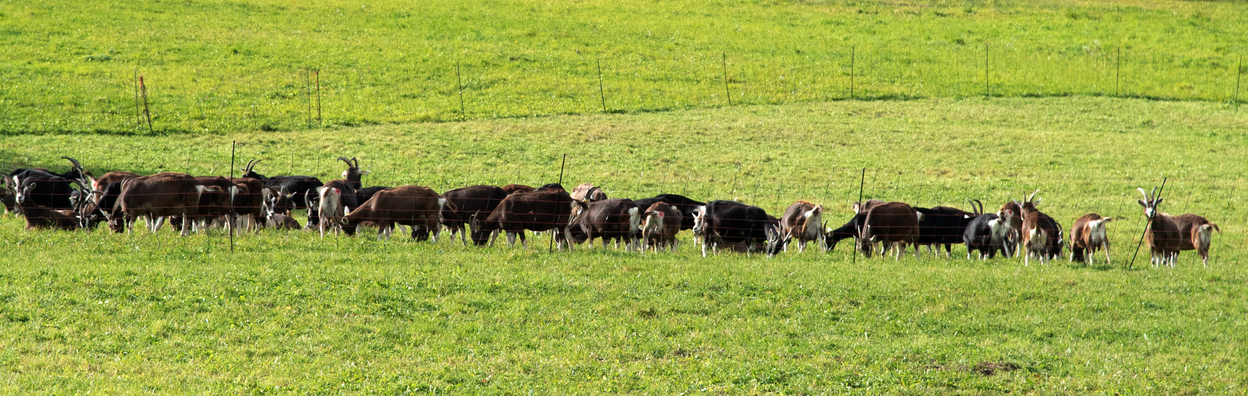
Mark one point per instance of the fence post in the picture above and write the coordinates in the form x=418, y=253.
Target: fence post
x=146, y=110
x=852, y=54
x=1146, y=224
x=318, y=97
x=234, y=221
x=551, y=249
x=727, y=93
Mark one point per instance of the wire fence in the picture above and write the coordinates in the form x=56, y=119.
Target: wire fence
x=137, y=99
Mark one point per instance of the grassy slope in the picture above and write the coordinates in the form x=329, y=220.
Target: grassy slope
x=288, y=311
x=224, y=66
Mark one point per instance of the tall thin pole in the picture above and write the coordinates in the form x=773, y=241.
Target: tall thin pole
x=1146, y=224
x=861, y=183
x=551, y=248
x=234, y=221
x=460, y=80
x=318, y=97
x=852, y=54
x=726, y=91
x=146, y=110
x=600, y=92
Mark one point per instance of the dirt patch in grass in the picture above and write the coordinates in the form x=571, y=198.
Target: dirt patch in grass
x=991, y=368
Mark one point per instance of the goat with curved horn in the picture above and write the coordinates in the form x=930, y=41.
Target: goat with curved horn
x=74, y=161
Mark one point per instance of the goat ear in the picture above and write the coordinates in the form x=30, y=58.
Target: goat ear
x=1159, y=201
x=1142, y=203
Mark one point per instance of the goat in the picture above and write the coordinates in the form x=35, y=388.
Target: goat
x=414, y=206
x=659, y=226
x=247, y=203
x=468, y=202
x=160, y=195
x=891, y=223
x=1197, y=234
x=517, y=188
x=7, y=198
x=329, y=210
x=216, y=201
x=682, y=204
x=39, y=216
x=614, y=220
x=802, y=220
x=1163, y=234
x=1033, y=219
x=1011, y=213
x=1087, y=236
x=987, y=233
x=942, y=225
x=110, y=178
x=353, y=174
x=282, y=222
x=298, y=186
x=52, y=190
x=539, y=210
x=347, y=200
x=730, y=222
x=588, y=192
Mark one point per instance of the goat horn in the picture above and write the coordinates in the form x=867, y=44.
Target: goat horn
x=1143, y=192
x=1032, y=196
x=344, y=159
x=250, y=163
x=1154, y=194
x=74, y=161
x=356, y=161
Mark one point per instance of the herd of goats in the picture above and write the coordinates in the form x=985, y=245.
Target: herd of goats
x=78, y=200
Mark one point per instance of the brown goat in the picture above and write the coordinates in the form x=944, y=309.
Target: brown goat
x=588, y=192
x=1163, y=236
x=893, y=223
x=804, y=221
x=659, y=226
x=1087, y=236
x=517, y=188
x=160, y=195
x=1197, y=234
x=1036, y=224
x=414, y=206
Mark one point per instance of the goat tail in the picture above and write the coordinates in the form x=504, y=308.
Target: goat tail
x=442, y=204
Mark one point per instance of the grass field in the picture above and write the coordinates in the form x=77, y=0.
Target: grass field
x=229, y=66
x=292, y=313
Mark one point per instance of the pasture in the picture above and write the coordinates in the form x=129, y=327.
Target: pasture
x=220, y=66
x=287, y=312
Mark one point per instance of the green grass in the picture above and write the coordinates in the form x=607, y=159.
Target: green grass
x=226, y=66
x=292, y=313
